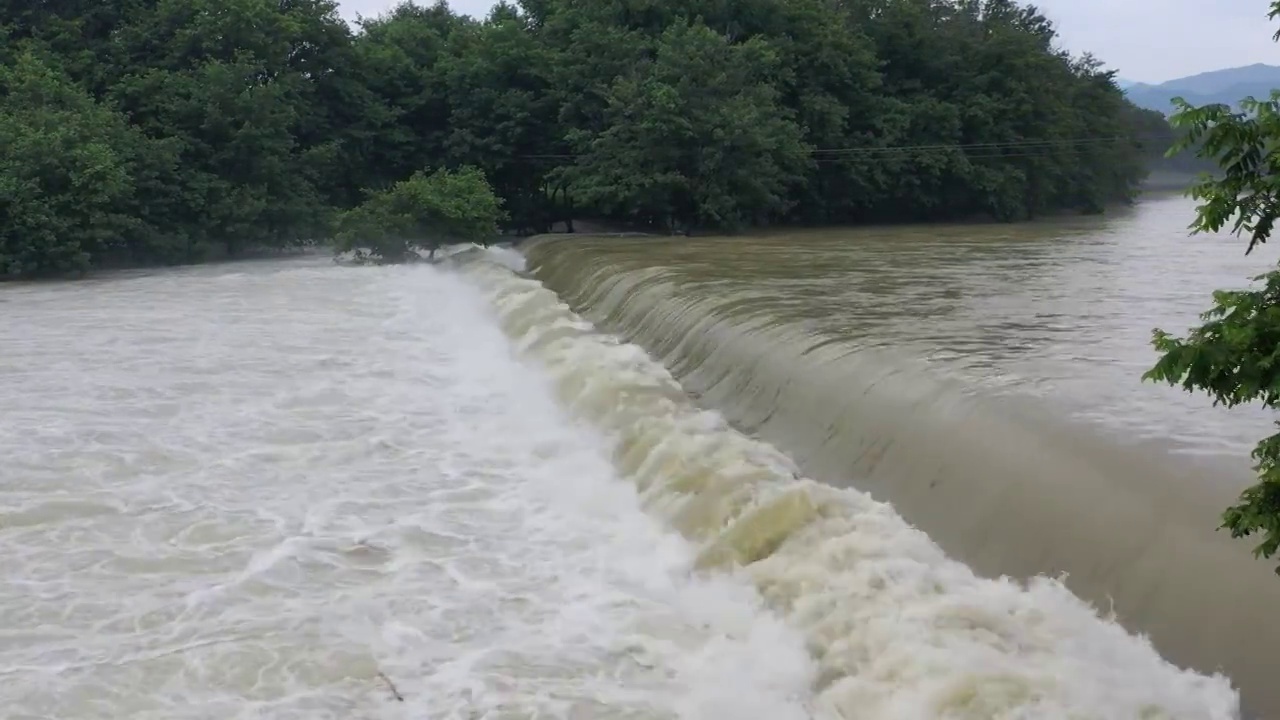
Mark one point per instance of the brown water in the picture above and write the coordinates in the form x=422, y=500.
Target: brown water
x=270, y=489
x=985, y=381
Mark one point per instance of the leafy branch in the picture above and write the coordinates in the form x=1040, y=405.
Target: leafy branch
x=1234, y=356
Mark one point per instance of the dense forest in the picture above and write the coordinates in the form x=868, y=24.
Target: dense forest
x=167, y=131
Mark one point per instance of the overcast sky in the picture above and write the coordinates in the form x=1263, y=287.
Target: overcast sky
x=1146, y=40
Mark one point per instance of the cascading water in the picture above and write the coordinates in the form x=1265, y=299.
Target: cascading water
x=276, y=490
x=897, y=628
x=790, y=337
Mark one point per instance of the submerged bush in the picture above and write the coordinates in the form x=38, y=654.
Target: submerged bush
x=425, y=212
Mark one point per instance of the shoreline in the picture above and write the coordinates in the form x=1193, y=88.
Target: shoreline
x=1167, y=184
x=617, y=230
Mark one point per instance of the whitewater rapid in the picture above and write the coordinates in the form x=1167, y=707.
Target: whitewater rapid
x=256, y=490
x=897, y=629
x=985, y=381
x=245, y=492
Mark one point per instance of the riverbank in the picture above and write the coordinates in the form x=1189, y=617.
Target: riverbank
x=1164, y=183
x=1159, y=185
x=1172, y=186
x=118, y=267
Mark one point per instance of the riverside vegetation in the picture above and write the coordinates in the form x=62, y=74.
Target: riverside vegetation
x=1235, y=355
x=173, y=131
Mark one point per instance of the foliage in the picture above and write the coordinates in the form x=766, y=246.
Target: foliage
x=1235, y=355
x=216, y=126
x=64, y=173
x=424, y=212
x=694, y=137
x=503, y=110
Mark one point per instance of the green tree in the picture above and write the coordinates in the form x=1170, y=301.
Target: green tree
x=502, y=111
x=65, y=173
x=1235, y=355
x=403, y=122
x=424, y=212
x=232, y=86
x=238, y=124
x=695, y=138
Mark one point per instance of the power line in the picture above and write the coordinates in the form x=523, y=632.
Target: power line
x=981, y=155
x=1012, y=144
x=1087, y=143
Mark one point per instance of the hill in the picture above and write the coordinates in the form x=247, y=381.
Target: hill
x=1218, y=86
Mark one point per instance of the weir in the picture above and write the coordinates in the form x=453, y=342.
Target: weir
x=1000, y=485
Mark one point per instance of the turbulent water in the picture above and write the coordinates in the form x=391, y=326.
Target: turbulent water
x=985, y=380
x=296, y=490
x=245, y=493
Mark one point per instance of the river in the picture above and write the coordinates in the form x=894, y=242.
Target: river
x=244, y=491
x=278, y=488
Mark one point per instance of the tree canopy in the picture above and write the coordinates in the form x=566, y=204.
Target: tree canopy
x=424, y=212
x=1235, y=355
x=165, y=131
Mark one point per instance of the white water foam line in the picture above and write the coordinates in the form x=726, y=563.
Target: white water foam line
x=208, y=510
x=898, y=629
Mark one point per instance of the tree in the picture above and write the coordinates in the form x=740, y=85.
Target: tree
x=424, y=212
x=1235, y=355
x=403, y=122
x=231, y=84
x=695, y=138
x=65, y=175
x=232, y=125
x=503, y=110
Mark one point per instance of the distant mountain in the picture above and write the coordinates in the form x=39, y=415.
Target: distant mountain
x=1219, y=86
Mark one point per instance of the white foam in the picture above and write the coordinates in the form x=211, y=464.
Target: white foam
x=898, y=629
x=277, y=483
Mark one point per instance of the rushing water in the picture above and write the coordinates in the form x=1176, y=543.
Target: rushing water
x=245, y=492
x=1058, y=310
x=256, y=490
x=985, y=380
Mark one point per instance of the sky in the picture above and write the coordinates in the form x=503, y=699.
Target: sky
x=1145, y=40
